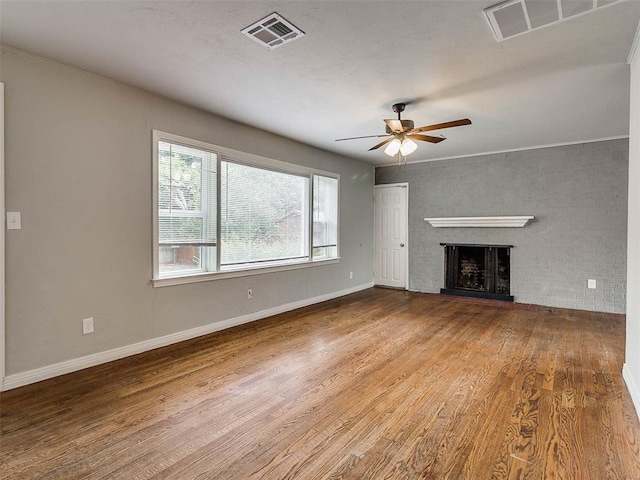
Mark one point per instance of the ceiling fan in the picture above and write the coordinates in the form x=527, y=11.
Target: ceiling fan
x=402, y=133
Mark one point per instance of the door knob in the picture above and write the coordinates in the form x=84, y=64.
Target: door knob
x=402, y=244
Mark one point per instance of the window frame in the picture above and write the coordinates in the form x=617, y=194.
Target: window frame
x=207, y=258
x=250, y=160
x=312, y=220
x=309, y=187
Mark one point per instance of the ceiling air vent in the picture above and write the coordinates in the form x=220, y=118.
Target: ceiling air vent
x=515, y=17
x=272, y=31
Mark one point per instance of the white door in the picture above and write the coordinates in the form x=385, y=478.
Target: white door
x=391, y=235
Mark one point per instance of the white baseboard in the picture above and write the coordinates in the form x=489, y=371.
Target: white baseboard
x=68, y=366
x=632, y=387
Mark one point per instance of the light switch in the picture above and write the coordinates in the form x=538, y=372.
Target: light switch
x=591, y=283
x=13, y=221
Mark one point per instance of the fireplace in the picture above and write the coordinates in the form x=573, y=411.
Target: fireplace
x=477, y=270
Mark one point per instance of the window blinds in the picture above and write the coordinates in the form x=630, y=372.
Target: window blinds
x=263, y=214
x=186, y=196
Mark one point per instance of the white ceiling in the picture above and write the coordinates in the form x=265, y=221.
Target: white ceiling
x=561, y=84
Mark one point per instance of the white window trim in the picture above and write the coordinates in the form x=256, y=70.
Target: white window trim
x=209, y=276
x=246, y=159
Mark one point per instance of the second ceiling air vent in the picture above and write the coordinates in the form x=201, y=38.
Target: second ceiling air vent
x=272, y=31
x=515, y=17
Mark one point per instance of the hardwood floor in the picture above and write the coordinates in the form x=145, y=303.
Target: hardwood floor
x=380, y=384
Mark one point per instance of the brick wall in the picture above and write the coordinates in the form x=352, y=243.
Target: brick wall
x=578, y=195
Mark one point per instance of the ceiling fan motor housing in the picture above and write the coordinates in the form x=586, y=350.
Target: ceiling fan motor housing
x=398, y=107
x=406, y=125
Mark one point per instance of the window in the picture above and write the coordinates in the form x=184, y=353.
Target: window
x=262, y=215
x=219, y=211
x=325, y=215
x=186, y=208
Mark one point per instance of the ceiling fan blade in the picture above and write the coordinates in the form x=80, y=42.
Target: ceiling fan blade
x=438, y=126
x=426, y=138
x=384, y=142
x=394, y=125
x=356, y=138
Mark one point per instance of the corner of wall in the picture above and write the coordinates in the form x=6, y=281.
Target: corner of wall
x=2, y=246
x=631, y=368
x=634, y=45
x=632, y=387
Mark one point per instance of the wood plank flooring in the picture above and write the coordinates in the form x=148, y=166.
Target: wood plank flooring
x=381, y=384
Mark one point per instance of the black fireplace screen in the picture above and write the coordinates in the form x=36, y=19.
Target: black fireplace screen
x=477, y=270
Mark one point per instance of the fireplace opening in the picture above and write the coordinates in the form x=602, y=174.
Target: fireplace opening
x=477, y=271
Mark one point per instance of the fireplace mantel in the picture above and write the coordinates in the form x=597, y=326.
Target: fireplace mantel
x=501, y=222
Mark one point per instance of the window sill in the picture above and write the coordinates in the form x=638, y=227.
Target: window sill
x=209, y=276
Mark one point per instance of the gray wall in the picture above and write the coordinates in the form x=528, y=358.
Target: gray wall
x=578, y=195
x=78, y=167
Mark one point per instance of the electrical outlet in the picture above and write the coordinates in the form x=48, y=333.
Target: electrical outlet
x=591, y=283
x=250, y=294
x=350, y=275
x=87, y=325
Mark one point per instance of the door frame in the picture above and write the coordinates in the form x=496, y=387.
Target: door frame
x=404, y=185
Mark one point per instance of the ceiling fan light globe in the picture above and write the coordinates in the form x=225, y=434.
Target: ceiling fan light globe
x=393, y=147
x=408, y=146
